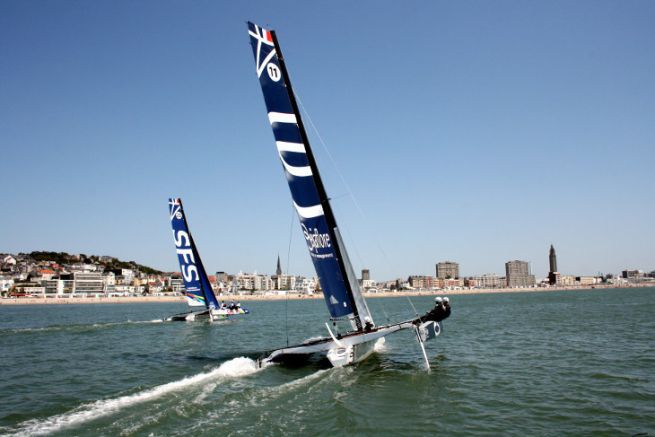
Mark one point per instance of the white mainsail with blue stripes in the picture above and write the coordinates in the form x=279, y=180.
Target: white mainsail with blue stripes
x=335, y=274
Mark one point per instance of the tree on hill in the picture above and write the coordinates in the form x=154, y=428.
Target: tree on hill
x=114, y=263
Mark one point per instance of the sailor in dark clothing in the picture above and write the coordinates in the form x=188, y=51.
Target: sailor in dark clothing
x=440, y=311
x=368, y=324
x=446, y=306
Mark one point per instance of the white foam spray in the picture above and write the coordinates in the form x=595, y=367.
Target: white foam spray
x=380, y=345
x=234, y=368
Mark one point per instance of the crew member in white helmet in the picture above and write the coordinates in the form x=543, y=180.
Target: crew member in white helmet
x=438, y=313
x=446, y=306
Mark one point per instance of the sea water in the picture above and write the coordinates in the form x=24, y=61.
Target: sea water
x=550, y=363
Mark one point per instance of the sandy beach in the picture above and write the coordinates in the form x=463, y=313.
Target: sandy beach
x=295, y=296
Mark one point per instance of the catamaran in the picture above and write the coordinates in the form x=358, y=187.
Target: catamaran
x=197, y=288
x=341, y=291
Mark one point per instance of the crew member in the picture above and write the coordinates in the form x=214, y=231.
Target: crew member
x=438, y=313
x=446, y=305
x=368, y=324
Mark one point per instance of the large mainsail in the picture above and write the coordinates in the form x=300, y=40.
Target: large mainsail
x=337, y=278
x=196, y=283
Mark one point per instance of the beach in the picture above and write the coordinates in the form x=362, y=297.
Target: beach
x=294, y=296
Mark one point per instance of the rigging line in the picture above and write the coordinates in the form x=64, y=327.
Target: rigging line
x=286, y=300
x=386, y=315
x=334, y=164
x=413, y=307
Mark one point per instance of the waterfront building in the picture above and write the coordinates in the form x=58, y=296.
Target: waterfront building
x=255, y=282
x=588, y=280
x=450, y=283
x=566, y=280
x=366, y=282
x=447, y=270
x=176, y=284
x=29, y=289
x=489, y=280
x=6, y=284
x=632, y=274
x=284, y=282
x=54, y=286
x=222, y=277
x=422, y=282
x=553, y=273
x=518, y=274
x=306, y=285
x=88, y=282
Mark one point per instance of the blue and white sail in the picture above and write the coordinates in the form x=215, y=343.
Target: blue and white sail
x=336, y=276
x=198, y=290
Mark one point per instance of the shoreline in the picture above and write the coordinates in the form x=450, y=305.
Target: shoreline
x=273, y=297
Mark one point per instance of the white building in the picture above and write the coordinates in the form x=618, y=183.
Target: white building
x=285, y=282
x=177, y=285
x=5, y=285
x=87, y=282
x=306, y=285
x=9, y=260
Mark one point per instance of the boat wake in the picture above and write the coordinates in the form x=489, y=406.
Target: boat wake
x=77, y=327
x=234, y=368
x=268, y=400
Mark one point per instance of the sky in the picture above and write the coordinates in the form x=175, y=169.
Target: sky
x=471, y=131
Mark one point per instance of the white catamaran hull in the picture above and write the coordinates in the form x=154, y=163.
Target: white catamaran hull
x=347, y=355
x=189, y=317
x=211, y=315
x=344, y=351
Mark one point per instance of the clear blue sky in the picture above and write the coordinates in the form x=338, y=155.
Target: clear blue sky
x=472, y=131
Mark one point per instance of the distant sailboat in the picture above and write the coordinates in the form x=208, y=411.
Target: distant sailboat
x=198, y=290
x=336, y=275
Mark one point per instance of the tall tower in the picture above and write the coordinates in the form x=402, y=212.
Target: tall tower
x=552, y=274
x=553, y=259
x=278, y=270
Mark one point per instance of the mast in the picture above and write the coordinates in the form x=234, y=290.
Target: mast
x=325, y=200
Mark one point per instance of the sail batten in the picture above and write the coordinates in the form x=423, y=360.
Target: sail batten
x=340, y=288
x=281, y=117
x=285, y=146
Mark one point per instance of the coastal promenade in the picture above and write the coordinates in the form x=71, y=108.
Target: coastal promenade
x=296, y=296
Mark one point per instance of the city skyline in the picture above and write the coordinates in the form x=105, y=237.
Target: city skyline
x=451, y=271
x=49, y=274
x=475, y=132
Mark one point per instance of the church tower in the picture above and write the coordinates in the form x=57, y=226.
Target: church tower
x=278, y=270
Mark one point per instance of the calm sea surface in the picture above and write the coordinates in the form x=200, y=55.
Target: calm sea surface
x=577, y=362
